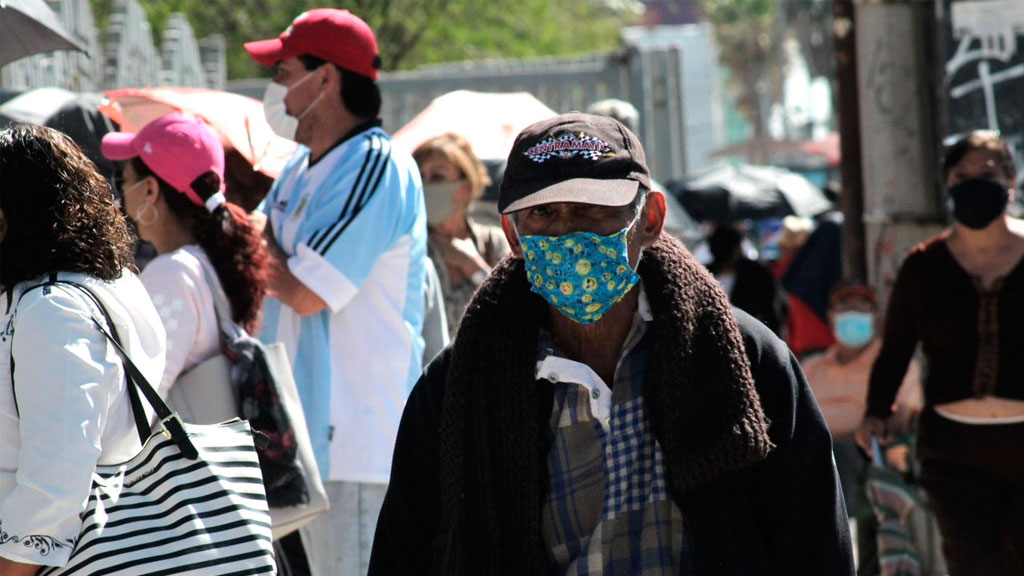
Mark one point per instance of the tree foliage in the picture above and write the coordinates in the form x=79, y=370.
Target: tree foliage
x=751, y=35
x=750, y=45
x=810, y=21
x=411, y=33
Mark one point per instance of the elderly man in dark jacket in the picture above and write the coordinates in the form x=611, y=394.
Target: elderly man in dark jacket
x=604, y=410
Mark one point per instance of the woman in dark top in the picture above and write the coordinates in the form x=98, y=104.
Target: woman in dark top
x=961, y=296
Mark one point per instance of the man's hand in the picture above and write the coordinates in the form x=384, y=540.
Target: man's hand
x=284, y=286
x=462, y=258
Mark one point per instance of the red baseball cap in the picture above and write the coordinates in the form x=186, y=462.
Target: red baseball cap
x=337, y=36
x=176, y=148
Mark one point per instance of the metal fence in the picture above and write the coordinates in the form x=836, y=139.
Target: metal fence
x=124, y=55
x=673, y=82
x=669, y=73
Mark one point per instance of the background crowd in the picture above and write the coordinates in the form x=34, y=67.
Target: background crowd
x=368, y=262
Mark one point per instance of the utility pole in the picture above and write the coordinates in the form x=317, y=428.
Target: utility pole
x=898, y=126
x=851, y=199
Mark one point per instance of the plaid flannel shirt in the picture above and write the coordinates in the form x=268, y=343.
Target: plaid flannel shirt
x=607, y=510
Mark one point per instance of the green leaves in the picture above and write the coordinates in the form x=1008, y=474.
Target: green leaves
x=749, y=44
x=411, y=33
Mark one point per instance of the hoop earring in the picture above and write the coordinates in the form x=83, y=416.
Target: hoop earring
x=139, y=219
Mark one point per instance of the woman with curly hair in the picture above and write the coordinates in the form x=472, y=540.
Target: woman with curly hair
x=174, y=191
x=464, y=250
x=64, y=406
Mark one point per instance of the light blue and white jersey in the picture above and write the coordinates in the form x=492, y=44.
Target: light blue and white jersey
x=354, y=227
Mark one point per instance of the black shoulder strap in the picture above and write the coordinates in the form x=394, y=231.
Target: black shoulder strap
x=10, y=295
x=171, y=423
x=139, y=414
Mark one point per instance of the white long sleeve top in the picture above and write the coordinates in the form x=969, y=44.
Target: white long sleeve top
x=184, y=299
x=71, y=411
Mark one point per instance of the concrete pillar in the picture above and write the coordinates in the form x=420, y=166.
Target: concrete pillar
x=898, y=123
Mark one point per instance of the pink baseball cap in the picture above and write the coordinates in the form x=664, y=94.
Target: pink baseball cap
x=337, y=36
x=176, y=148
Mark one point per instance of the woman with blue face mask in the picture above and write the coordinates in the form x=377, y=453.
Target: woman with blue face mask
x=960, y=295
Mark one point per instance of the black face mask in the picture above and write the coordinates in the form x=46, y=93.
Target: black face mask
x=977, y=202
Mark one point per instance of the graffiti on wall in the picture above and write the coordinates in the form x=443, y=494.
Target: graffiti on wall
x=985, y=68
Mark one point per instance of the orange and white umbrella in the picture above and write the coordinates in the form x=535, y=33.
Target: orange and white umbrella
x=237, y=119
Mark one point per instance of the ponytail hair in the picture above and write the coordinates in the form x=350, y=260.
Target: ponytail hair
x=233, y=245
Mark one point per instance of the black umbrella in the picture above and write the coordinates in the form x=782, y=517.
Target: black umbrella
x=80, y=119
x=744, y=192
x=29, y=27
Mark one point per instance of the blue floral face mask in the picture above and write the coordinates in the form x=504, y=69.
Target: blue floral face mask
x=583, y=274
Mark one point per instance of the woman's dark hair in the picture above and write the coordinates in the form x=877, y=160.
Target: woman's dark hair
x=723, y=244
x=60, y=212
x=246, y=187
x=360, y=94
x=987, y=140
x=234, y=246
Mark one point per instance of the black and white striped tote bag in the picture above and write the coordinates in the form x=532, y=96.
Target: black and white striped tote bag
x=163, y=513
x=190, y=503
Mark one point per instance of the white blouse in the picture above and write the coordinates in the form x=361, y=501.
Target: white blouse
x=72, y=410
x=183, y=298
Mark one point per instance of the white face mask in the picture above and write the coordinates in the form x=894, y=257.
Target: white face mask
x=274, y=109
x=440, y=201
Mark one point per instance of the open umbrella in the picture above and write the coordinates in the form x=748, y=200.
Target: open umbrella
x=29, y=27
x=237, y=119
x=80, y=119
x=730, y=193
x=490, y=121
x=34, y=106
x=74, y=114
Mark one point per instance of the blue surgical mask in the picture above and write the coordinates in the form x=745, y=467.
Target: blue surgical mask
x=582, y=274
x=855, y=329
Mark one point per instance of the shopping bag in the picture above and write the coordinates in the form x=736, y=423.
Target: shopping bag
x=190, y=502
x=164, y=513
x=892, y=501
x=209, y=393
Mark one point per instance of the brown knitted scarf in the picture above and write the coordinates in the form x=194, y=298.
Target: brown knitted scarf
x=698, y=391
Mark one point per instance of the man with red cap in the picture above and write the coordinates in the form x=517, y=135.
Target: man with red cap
x=347, y=227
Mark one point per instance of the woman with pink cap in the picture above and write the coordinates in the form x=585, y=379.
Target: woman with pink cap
x=174, y=191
